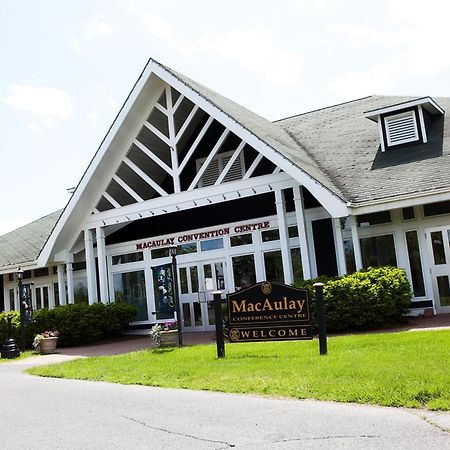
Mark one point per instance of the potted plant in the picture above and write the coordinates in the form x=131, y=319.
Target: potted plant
x=164, y=334
x=45, y=343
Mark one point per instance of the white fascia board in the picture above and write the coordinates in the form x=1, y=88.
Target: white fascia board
x=258, y=184
x=13, y=268
x=400, y=202
x=78, y=199
x=332, y=203
x=426, y=102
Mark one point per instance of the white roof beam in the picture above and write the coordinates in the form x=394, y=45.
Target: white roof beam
x=161, y=108
x=186, y=123
x=125, y=186
x=152, y=156
x=145, y=177
x=111, y=200
x=196, y=142
x=178, y=102
x=157, y=133
x=252, y=168
x=230, y=163
x=173, y=146
x=213, y=153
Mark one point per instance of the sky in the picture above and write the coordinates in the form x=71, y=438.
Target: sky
x=66, y=68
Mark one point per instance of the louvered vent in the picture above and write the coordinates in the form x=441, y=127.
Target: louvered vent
x=401, y=128
x=217, y=165
x=211, y=174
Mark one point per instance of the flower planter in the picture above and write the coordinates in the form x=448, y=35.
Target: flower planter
x=169, y=338
x=48, y=345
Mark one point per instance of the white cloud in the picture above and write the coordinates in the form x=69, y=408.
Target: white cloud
x=257, y=50
x=377, y=80
x=47, y=104
x=96, y=28
x=11, y=224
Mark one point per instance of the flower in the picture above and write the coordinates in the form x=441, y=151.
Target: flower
x=155, y=332
x=44, y=335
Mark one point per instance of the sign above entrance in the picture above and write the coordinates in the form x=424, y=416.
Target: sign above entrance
x=183, y=238
x=268, y=312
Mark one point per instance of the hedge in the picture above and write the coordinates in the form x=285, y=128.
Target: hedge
x=77, y=324
x=363, y=300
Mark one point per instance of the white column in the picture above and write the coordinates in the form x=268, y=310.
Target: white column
x=300, y=216
x=90, y=267
x=356, y=244
x=61, y=285
x=7, y=301
x=284, y=237
x=102, y=269
x=339, y=243
x=70, y=293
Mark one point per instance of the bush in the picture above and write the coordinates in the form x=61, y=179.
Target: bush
x=363, y=300
x=77, y=324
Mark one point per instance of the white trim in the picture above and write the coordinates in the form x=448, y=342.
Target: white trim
x=186, y=123
x=195, y=143
x=152, y=156
x=111, y=200
x=356, y=243
x=284, y=237
x=426, y=102
x=157, y=133
x=178, y=102
x=230, y=163
x=127, y=188
x=253, y=166
x=90, y=267
x=144, y=176
x=301, y=225
x=422, y=125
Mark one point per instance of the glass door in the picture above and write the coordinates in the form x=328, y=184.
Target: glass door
x=439, y=241
x=197, y=282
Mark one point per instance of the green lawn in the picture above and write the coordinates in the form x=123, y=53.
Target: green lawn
x=24, y=355
x=410, y=369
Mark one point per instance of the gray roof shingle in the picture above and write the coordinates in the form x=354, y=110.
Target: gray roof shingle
x=24, y=244
x=348, y=147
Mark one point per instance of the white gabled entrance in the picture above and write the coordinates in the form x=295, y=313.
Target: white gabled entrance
x=439, y=250
x=197, y=281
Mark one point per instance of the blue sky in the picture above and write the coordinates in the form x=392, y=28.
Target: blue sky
x=67, y=66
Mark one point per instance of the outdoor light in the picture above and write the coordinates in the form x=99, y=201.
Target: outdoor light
x=173, y=251
x=19, y=274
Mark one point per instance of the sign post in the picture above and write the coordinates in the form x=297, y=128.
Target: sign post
x=321, y=318
x=217, y=295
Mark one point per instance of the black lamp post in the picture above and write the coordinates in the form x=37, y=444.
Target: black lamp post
x=173, y=254
x=22, y=302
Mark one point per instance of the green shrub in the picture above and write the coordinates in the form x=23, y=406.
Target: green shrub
x=77, y=324
x=363, y=300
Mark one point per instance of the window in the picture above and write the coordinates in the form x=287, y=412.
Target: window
x=11, y=300
x=127, y=258
x=244, y=271
x=216, y=167
x=293, y=231
x=401, y=128
x=270, y=235
x=212, y=244
x=241, y=239
x=415, y=263
x=160, y=253
x=378, y=251
x=378, y=218
x=129, y=287
x=183, y=249
x=273, y=264
x=436, y=209
x=408, y=213
x=297, y=264
x=349, y=252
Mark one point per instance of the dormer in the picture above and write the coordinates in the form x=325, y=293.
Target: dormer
x=404, y=123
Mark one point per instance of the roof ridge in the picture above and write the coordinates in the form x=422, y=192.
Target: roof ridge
x=325, y=107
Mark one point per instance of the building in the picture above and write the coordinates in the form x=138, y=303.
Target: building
x=364, y=183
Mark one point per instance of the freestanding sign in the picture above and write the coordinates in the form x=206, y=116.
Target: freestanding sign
x=269, y=311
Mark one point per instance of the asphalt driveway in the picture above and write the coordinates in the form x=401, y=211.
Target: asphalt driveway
x=40, y=413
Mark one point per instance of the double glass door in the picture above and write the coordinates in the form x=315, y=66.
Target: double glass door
x=197, y=281
x=439, y=240
x=40, y=299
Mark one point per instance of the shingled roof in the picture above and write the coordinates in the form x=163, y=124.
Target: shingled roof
x=24, y=244
x=346, y=147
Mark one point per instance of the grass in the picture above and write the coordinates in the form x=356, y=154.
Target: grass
x=24, y=355
x=410, y=369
